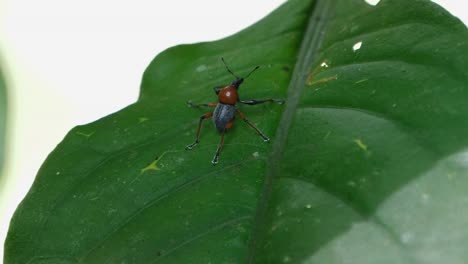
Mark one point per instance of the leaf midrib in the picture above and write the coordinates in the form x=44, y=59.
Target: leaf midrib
x=309, y=50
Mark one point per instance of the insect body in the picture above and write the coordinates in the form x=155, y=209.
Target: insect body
x=225, y=111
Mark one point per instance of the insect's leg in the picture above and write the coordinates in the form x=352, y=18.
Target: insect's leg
x=220, y=146
x=221, y=143
x=254, y=102
x=191, y=104
x=265, y=138
x=203, y=117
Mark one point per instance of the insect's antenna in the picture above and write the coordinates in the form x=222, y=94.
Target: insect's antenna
x=251, y=72
x=229, y=70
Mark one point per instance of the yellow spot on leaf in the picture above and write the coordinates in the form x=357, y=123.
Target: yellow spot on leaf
x=322, y=66
x=331, y=78
x=361, y=144
x=154, y=164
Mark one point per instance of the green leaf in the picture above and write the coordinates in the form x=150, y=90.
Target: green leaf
x=367, y=162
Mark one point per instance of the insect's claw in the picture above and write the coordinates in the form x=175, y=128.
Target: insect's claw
x=279, y=101
x=189, y=103
x=191, y=146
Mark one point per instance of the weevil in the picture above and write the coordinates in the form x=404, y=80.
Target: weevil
x=225, y=110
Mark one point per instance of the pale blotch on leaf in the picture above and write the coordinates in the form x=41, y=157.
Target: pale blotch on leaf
x=425, y=197
x=361, y=81
x=406, y=237
x=361, y=144
x=86, y=135
x=201, y=68
x=279, y=212
x=357, y=46
x=372, y=2
x=352, y=184
x=451, y=176
x=142, y=119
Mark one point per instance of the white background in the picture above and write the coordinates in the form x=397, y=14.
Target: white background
x=72, y=62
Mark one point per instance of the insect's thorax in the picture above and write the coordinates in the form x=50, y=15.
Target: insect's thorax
x=228, y=95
